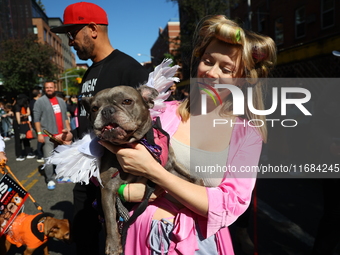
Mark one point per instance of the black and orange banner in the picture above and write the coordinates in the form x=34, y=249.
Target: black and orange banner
x=12, y=198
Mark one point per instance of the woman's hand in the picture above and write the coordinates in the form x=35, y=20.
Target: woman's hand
x=135, y=160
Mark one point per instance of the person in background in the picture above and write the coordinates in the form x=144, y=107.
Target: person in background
x=8, y=118
x=2, y=111
x=50, y=113
x=188, y=218
x=3, y=157
x=72, y=108
x=174, y=93
x=21, y=112
x=36, y=94
x=5, y=124
x=61, y=95
x=86, y=25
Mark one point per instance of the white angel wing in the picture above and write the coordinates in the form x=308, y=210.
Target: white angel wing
x=76, y=163
x=162, y=79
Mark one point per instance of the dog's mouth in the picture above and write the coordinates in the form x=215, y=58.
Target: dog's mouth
x=114, y=133
x=110, y=127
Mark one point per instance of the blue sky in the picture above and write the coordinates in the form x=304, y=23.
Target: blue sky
x=133, y=24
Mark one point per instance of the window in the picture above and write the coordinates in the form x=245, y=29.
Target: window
x=261, y=18
x=300, y=22
x=279, y=31
x=247, y=24
x=35, y=30
x=327, y=13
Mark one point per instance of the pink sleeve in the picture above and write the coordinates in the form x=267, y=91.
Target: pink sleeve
x=232, y=197
x=169, y=118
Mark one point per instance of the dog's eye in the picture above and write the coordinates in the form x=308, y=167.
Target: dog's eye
x=127, y=102
x=94, y=109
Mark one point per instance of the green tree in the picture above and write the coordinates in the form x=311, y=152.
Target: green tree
x=191, y=12
x=23, y=62
x=41, y=5
x=74, y=78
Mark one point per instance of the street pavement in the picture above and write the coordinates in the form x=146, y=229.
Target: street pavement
x=284, y=221
x=58, y=202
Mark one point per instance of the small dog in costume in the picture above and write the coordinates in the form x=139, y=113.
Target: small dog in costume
x=34, y=231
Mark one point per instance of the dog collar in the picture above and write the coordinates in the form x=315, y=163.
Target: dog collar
x=115, y=174
x=154, y=149
x=40, y=225
x=156, y=141
x=37, y=225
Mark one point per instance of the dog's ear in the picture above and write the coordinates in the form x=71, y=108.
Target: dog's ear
x=148, y=94
x=86, y=102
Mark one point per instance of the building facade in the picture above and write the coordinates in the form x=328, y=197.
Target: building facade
x=168, y=42
x=305, y=31
x=68, y=57
x=16, y=18
x=20, y=18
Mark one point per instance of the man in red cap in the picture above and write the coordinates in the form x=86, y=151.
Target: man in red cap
x=86, y=27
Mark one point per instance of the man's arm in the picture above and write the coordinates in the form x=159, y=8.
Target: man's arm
x=39, y=132
x=67, y=124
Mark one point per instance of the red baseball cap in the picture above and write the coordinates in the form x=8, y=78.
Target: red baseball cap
x=81, y=13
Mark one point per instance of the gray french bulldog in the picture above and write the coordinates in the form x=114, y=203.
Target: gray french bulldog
x=121, y=116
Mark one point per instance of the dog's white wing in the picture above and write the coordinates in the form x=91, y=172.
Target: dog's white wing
x=76, y=162
x=162, y=79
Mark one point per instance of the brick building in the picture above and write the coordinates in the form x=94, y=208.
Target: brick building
x=305, y=31
x=68, y=57
x=167, y=42
x=19, y=18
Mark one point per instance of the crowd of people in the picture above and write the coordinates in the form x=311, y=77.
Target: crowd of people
x=184, y=218
x=19, y=111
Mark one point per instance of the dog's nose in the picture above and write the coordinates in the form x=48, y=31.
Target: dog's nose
x=108, y=111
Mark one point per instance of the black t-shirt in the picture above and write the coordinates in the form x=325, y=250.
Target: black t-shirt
x=116, y=69
x=17, y=108
x=71, y=108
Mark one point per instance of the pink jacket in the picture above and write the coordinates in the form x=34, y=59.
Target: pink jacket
x=226, y=202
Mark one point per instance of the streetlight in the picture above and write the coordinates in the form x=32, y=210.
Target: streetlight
x=66, y=77
x=140, y=54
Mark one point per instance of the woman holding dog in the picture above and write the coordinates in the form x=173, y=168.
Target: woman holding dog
x=188, y=218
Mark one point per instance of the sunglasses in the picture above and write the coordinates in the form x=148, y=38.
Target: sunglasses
x=72, y=34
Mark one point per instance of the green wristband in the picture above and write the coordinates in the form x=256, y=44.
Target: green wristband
x=39, y=133
x=121, y=192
